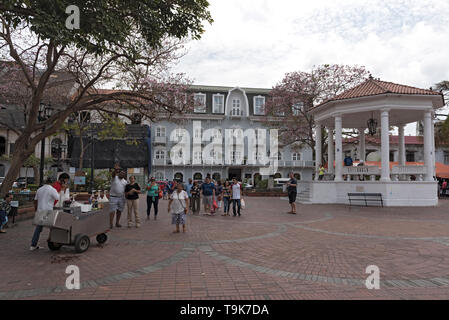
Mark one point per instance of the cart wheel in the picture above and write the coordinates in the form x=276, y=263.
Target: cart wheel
x=82, y=243
x=102, y=238
x=54, y=246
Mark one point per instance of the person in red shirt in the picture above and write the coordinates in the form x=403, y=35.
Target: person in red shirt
x=62, y=183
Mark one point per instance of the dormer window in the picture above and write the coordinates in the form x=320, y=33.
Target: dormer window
x=259, y=106
x=200, y=103
x=236, y=108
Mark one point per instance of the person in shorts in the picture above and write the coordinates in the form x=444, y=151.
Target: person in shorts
x=208, y=190
x=117, y=195
x=178, y=206
x=292, y=191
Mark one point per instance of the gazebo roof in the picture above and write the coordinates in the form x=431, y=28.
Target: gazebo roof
x=373, y=87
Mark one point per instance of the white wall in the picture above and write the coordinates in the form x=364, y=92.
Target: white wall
x=394, y=194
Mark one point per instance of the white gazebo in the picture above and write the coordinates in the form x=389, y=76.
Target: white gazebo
x=372, y=104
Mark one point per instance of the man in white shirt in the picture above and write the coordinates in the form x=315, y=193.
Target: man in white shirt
x=43, y=201
x=117, y=194
x=236, y=196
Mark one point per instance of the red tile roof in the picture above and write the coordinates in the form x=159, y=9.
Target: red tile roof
x=393, y=140
x=373, y=87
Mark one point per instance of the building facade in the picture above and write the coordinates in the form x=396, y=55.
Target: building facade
x=217, y=111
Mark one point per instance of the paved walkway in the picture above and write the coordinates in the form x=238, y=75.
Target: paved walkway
x=321, y=253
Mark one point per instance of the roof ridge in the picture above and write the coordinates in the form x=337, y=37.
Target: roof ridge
x=374, y=81
x=407, y=86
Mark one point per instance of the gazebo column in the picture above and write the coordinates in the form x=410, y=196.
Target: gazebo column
x=318, y=151
x=385, y=126
x=338, y=149
x=362, y=147
x=330, y=150
x=401, y=157
x=433, y=145
x=428, y=150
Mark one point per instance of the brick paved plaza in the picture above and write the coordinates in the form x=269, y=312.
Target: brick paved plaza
x=321, y=253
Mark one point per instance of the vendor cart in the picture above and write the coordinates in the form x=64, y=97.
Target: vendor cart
x=74, y=228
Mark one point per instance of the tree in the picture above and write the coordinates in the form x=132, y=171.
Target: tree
x=127, y=43
x=300, y=91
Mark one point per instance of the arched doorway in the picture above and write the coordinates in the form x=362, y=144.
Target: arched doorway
x=278, y=175
x=198, y=176
x=216, y=176
x=297, y=176
x=179, y=176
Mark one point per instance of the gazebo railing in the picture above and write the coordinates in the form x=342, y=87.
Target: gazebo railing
x=415, y=170
x=362, y=170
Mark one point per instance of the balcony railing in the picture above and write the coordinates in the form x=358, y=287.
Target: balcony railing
x=285, y=164
x=162, y=140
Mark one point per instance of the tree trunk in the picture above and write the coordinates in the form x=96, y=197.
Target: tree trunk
x=21, y=153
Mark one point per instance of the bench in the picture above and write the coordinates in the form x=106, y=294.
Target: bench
x=366, y=198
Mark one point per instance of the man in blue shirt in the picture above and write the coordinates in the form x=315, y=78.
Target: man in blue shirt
x=208, y=190
x=188, y=189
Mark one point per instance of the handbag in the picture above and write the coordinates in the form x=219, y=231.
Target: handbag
x=242, y=204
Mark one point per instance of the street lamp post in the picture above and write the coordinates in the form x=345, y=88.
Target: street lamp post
x=44, y=114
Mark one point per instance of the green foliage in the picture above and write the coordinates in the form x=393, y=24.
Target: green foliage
x=262, y=185
x=110, y=24
x=33, y=187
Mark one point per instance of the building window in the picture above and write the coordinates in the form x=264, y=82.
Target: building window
x=236, y=156
x=296, y=156
x=160, y=155
x=160, y=132
x=236, y=108
x=259, y=105
x=216, y=176
x=200, y=103
x=410, y=156
x=197, y=156
x=297, y=108
x=391, y=156
x=218, y=103
x=159, y=176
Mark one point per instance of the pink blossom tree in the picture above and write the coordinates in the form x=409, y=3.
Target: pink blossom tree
x=291, y=99
x=126, y=46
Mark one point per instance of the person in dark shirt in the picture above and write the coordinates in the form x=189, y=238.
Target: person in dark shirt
x=208, y=190
x=348, y=161
x=132, y=191
x=196, y=197
x=292, y=191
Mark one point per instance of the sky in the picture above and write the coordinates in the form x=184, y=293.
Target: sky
x=254, y=43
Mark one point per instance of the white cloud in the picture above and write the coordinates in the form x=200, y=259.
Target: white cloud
x=255, y=42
